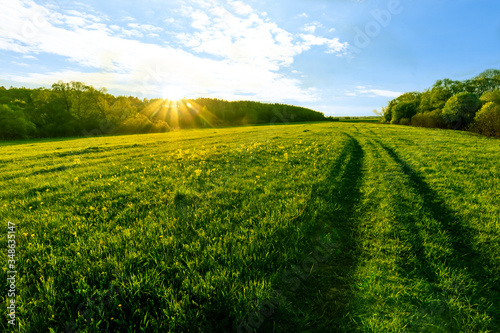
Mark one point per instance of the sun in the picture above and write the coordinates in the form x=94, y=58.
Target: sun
x=173, y=93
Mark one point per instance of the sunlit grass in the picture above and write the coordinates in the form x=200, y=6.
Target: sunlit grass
x=194, y=230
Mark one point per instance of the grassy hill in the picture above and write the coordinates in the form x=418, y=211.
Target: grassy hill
x=349, y=227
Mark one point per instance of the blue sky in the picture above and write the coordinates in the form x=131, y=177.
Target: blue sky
x=341, y=57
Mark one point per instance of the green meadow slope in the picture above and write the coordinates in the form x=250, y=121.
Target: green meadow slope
x=348, y=227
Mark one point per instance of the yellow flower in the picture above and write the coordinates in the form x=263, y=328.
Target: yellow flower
x=197, y=172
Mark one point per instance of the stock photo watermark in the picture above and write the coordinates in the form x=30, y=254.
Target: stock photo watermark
x=40, y=19
x=381, y=18
x=11, y=273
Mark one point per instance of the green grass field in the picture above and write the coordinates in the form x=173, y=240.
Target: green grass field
x=329, y=227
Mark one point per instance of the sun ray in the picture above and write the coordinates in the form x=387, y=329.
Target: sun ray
x=207, y=117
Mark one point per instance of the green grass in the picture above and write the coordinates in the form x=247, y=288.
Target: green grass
x=293, y=228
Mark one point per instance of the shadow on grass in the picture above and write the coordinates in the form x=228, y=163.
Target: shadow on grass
x=321, y=300
x=464, y=256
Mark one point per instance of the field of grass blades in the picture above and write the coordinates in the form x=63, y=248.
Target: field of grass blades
x=326, y=227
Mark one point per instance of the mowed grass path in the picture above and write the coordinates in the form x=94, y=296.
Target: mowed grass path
x=329, y=227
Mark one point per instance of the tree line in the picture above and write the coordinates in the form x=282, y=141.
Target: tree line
x=472, y=104
x=76, y=109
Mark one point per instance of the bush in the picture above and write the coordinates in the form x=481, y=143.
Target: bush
x=330, y=118
x=134, y=125
x=432, y=119
x=404, y=110
x=487, y=120
x=395, y=122
x=460, y=109
x=13, y=124
x=404, y=121
x=160, y=126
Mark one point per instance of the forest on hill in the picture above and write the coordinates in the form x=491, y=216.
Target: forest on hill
x=77, y=109
x=472, y=104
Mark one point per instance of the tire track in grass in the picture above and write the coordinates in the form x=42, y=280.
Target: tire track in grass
x=410, y=277
x=461, y=257
x=380, y=302
x=324, y=296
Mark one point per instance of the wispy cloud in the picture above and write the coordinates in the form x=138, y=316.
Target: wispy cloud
x=246, y=51
x=377, y=92
x=333, y=45
x=311, y=27
x=248, y=37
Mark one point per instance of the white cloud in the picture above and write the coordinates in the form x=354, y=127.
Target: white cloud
x=144, y=27
x=20, y=64
x=378, y=92
x=132, y=33
x=333, y=45
x=74, y=21
x=251, y=39
x=200, y=20
x=311, y=27
x=248, y=40
x=88, y=17
x=251, y=50
x=302, y=15
x=241, y=8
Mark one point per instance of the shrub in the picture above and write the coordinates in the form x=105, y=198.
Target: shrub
x=330, y=118
x=160, y=126
x=387, y=113
x=487, y=120
x=432, y=119
x=404, y=110
x=404, y=121
x=13, y=124
x=460, y=109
